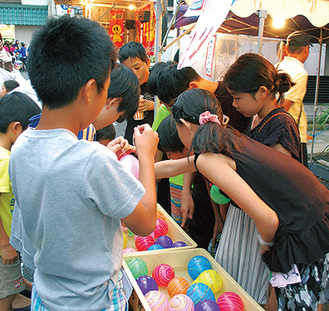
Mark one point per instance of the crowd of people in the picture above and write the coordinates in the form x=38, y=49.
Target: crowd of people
x=18, y=52
x=64, y=197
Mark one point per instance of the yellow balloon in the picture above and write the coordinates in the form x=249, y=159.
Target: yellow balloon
x=211, y=278
x=125, y=240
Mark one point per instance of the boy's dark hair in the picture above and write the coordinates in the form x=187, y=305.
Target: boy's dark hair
x=155, y=73
x=107, y=132
x=168, y=136
x=10, y=85
x=19, y=107
x=64, y=55
x=124, y=84
x=173, y=81
x=133, y=49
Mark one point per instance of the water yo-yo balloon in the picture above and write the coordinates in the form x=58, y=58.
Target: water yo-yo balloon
x=230, y=301
x=131, y=163
x=196, y=265
x=177, y=285
x=165, y=241
x=211, y=278
x=142, y=243
x=157, y=300
x=161, y=228
x=199, y=291
x=207, y=305
x=155, y=247
x=137, y=267
x=181, y=302
x=179, y=244
x=146, y=283
x=162, y=274
x=217, y=196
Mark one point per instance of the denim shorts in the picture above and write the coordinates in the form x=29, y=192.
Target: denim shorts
x=11, y=280
x=118, y=299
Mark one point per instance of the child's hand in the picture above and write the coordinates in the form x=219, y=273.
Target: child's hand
x=8, y=254
x=146, y=140
x=145, y=105
x=120, y=147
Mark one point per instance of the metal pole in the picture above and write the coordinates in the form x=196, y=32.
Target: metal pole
x=171, y=23
x=316, y=96
x=158, y=27
x=262, y=16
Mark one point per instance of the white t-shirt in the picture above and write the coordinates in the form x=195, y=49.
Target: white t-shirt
x=296, y=94
x=71, y=195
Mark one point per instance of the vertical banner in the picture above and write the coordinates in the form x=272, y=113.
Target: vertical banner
x=116, y=27
x=212, y=15
x=145, y=27
x=210, y=56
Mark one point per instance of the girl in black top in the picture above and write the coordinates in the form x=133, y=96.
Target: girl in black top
x=289, y=205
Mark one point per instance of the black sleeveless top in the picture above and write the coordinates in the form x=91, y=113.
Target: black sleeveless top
x=278, y=127
x=295, y=194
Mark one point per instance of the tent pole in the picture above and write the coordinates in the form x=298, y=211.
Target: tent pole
x=262, y=16
x=158, y=26
x=316, y=95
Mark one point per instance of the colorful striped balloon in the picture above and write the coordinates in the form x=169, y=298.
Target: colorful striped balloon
x=160, y=215
x=142, y=243
x=161, y=228
x=162, y=274
x=230, y=301
x=181, y=302
x=137, y=267
x=199, y=291
x=177, y=285
x=157, y=300
x=196, y=265
x=207, y=305
x=211, y=278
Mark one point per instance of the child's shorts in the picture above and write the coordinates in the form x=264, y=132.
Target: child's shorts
x=11, y=280
x=312, y=291
x=118, y=299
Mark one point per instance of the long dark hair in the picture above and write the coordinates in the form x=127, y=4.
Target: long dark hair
x=210, y=137
x=251, y=71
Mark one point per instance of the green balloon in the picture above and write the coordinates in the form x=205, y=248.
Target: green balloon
x=217, y=196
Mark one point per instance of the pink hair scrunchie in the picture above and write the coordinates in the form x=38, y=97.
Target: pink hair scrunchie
x=208, y=117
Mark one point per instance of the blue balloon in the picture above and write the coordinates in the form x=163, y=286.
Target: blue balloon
x=200, y=291
x=154, y=247
x=197, y=265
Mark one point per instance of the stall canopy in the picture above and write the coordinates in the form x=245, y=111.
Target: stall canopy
x=255, y=18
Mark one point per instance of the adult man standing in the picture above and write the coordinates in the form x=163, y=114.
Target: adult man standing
x=297, y=49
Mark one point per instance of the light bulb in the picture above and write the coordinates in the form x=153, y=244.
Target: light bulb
x=278, y=22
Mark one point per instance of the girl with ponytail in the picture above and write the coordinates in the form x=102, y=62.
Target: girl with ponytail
x=287, y=203
x=257, y=90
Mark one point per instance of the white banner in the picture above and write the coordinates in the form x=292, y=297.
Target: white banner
x=212, y=15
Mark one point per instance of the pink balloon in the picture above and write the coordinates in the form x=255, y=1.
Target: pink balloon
x=131, y=163
x=230, y=301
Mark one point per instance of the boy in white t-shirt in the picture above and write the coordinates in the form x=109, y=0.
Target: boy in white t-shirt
x=73, y=194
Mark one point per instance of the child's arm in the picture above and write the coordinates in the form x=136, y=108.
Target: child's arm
x=142, y=220
x=170, y=168
x=8, y=253
x=239, y=191
x=219, y=223
x=187, y=203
